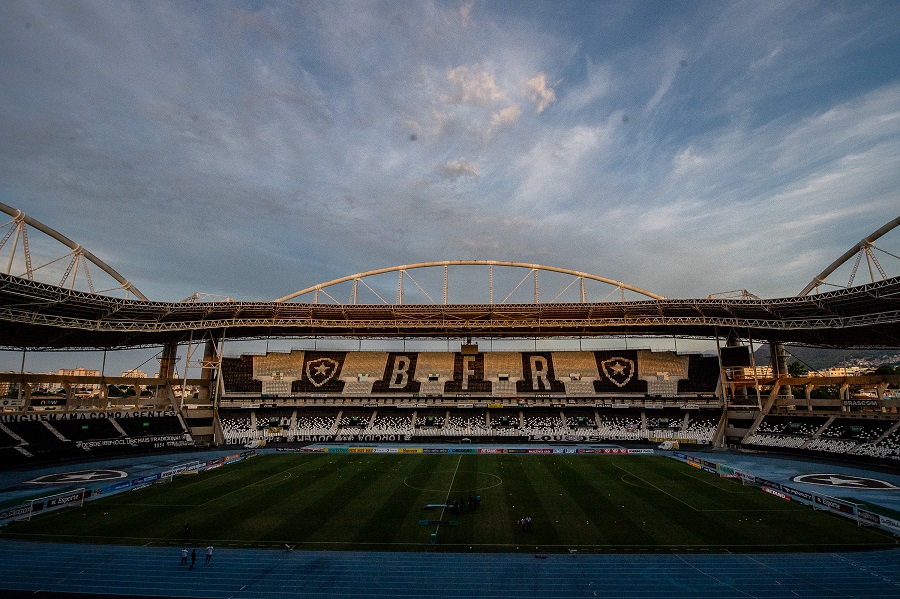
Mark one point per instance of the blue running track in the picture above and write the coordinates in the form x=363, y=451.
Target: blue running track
x=50, y=569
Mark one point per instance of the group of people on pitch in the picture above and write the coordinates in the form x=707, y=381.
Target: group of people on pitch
x=525, y=523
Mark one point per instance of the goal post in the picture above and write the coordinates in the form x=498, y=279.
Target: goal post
x=57, y=501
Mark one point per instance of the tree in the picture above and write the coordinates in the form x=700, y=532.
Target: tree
x=797, y=369
x=885, y=369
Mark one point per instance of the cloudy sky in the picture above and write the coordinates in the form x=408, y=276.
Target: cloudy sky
x=254, y=148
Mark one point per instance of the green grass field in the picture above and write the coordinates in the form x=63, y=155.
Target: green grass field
x=376, y=502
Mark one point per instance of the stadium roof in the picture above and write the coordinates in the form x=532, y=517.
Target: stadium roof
x=42, y=316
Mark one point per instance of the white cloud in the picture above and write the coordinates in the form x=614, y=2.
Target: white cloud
x=465, y=13
x=597, y=86
x=291, y=125
x=540, y=93
x=472, y=85
x=506, y=116
x=458, y=168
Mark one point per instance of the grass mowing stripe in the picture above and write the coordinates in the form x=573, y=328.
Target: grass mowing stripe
x=651, y=485
x=397, y=514
x=375, y=502
x=447, y=498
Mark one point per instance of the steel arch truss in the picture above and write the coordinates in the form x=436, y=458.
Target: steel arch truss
x=76, y=259
x=404, y=276
x=864, y=249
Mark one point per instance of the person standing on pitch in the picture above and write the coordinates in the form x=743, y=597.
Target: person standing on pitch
x=184, y=556
x=193, y=558
x=208, y=553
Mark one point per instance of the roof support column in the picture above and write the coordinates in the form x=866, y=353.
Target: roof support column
x=778, y=357
x=167, y=360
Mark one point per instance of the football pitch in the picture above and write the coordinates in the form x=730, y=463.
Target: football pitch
x=398, y=503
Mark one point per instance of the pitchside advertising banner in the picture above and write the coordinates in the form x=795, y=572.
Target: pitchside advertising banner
x=157, y=442
x=471, y=450
x=332, y=439
x=86, y=415
x=47, y=504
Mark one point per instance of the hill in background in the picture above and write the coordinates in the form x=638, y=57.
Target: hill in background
x=817, y=358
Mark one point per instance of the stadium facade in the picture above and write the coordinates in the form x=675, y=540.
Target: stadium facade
x=624, y=395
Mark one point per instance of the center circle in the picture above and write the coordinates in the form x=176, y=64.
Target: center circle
x=413, y=481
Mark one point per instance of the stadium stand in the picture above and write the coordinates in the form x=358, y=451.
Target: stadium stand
x=618, y=373
x=700, y=427
x=430, y=419
x=321, y=373
x=503, y=370
x=615, y=395
x=316, y=422
x=538, y=374
x=238, y=375
x=580, y=421
x=433, y=370
x=363, y=366
x=608, y=373
x=355, y=420
x=858, y=429
x=885, y=447
x=468, y=375
x=621, y=425
x=236, y=426
x=278, y=366
x=543, y=423
x=703, y=375
x=467, y=423
x=35, y=432
x=60, y=435
x=393, y=422
x=662, y=371
x=83, y=430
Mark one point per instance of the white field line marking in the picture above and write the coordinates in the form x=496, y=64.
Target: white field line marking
x=449, y=489
x=253, y=484
x=167, y=542
x=696, y=509
x=648, y=483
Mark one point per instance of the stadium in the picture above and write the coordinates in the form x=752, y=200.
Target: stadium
x=504, y=471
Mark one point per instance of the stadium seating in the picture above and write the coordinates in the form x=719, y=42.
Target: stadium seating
x=393, y=422
x=886, y=447
x=35, y=432
x=580, y=421
x=467, y=423
x=503, y=370
x=316, y=422
x=433, y=369
x=288, y=366
x=501, y=374
x=238, y=375
x=621, y=425
x=543, y=423
x=430, y=419
x=700, y=427
x=662, y=371
x=83, y=430
x=236, y=426
x=702, y=377
x=355, y=420
x=364, y=365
